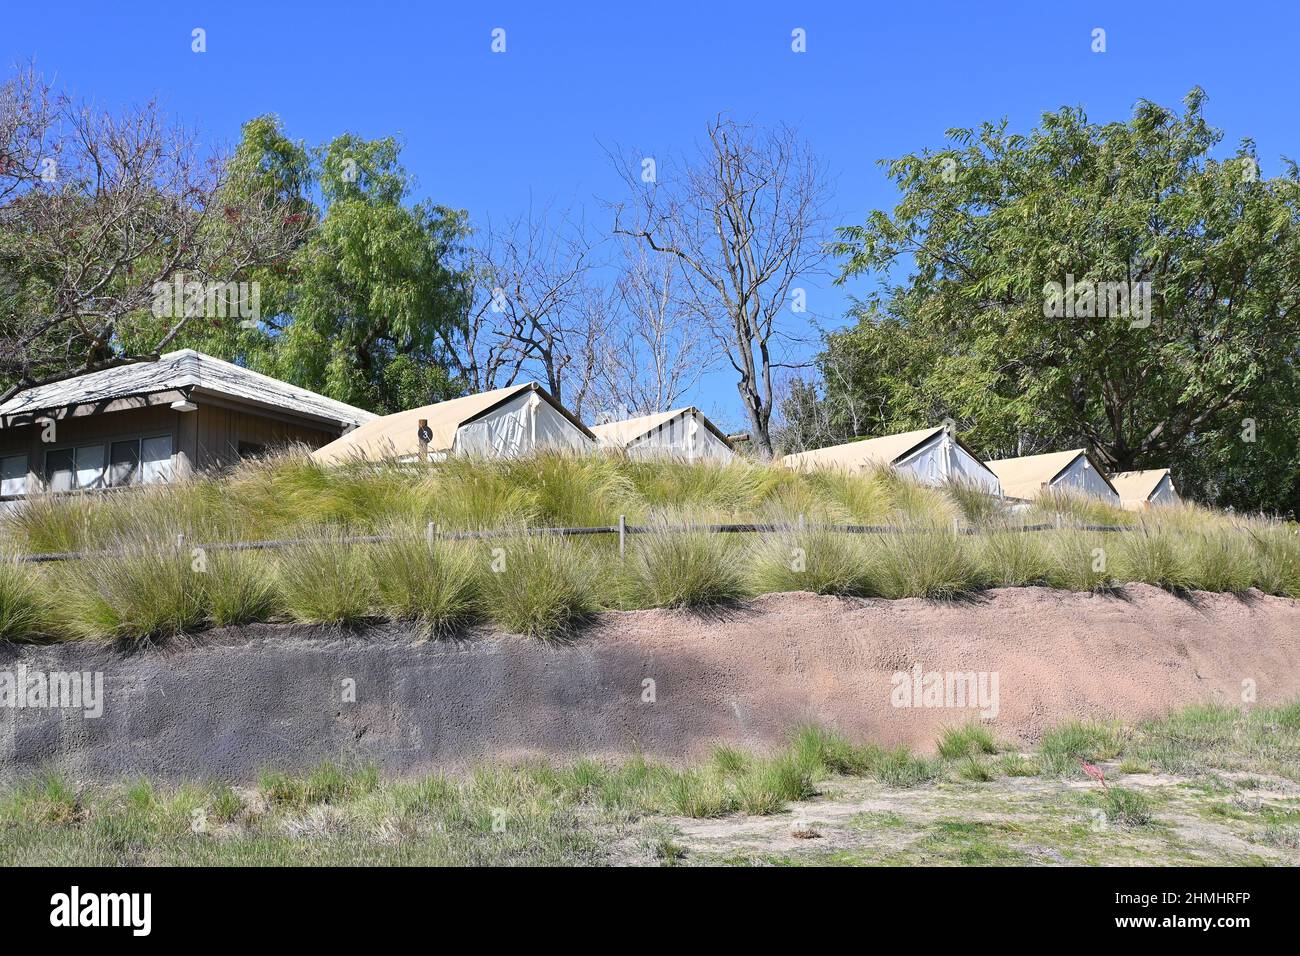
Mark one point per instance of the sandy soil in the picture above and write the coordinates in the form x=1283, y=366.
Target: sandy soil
x=1056, y=654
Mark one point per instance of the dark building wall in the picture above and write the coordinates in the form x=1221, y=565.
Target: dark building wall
x=207, y=438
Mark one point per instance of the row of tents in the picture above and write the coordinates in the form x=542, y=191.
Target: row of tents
x=514, y=421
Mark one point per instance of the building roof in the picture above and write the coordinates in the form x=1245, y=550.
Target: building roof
x=1138, y=485
x=1025, y=477
x=397, y=435
x=630, y=429
x=183, y=370
x=865, y=453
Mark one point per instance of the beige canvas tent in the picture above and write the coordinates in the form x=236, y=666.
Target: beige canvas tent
x=1073, y=471
x=931, y=456
x=684, y=433
x=1141, y=489
x=503, y=423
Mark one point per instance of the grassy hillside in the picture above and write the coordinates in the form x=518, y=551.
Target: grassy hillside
x=152, y=588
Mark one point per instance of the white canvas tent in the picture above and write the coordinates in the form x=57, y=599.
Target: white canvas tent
x=931, y=456
x=503, y=423
x=1074, y=471
x=684, y=433
x=1141, y=489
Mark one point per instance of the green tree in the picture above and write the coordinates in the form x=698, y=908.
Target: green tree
x=1020, y=250
x=364, y=309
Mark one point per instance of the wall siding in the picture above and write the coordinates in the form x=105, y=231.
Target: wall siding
x=202, y=439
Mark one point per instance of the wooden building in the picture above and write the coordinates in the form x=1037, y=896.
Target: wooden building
x=154, y=421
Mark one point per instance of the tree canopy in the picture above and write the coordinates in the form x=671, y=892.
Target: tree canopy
x=1109, y=285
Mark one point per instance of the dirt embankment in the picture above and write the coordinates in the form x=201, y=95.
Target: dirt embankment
x=668, y=684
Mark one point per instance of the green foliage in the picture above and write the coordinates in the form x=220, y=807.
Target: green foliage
x=811, y=559
x=149, y=592
x=325, y=581
x=987, y=223
x=537, y=585
x=240, y=588
x=1127, y=807
x=364, y=309
x=1064, y=746
x=436, y=586
x=968, y=740
x=22, y=604
x=682, y=569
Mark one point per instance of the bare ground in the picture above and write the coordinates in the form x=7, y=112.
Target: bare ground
x=1206, y=819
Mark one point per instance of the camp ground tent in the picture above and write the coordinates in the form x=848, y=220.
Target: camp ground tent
x=502, y=423
x=1073, y=471
x=684, y=433
x=1140, y=489
x=931, y=456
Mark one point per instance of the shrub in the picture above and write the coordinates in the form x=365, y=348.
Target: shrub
x=239, y=588
x=1127, y=807
x=22, y=603
x=1277, y=560
x=928, y=563
x=1220, y=559
x=976, y=505
x=435, y=586
x=1011, y=558
x=965, y=741
x=538, y=585
x=1079, y=560
x=833, y=753
x=813, y=559
x=1063, y=747
x=325, y=581
x=1152, y=555
x=682, y=569
x=143, y=593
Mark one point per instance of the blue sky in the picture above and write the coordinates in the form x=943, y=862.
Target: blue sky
x=488, y=132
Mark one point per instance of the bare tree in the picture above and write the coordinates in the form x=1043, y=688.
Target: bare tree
x=656, y=349
x=532, y=309
x=745, y=219
x=96, y=210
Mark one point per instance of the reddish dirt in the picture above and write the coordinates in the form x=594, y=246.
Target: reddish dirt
x=1057, y=655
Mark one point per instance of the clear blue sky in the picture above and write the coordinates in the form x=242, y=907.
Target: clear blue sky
x=485, y=132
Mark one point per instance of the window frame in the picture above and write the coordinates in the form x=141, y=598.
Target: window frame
x=107, y=444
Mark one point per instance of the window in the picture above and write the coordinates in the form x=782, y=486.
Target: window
x=124, y=463
x=59, y=473
x=130, y=461
x=90, y=466
x=13, y=475
x=156, y=459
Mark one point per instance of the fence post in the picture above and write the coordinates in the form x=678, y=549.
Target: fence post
x=430, y=532
x=801, y=521
x=956, y=529
x=622, y=537
x=1058, y=521
x=180, y=541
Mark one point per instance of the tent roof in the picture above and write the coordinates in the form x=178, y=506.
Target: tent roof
x=864, y=453
x=1137, y=485
x=182, y=369
x=1024, y=477
x=397, y=435
x=629, y=429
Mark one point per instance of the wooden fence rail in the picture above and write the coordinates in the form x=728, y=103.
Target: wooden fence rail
x=622, y=530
